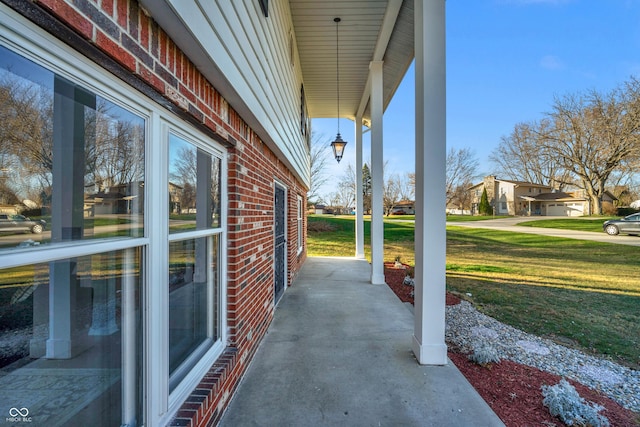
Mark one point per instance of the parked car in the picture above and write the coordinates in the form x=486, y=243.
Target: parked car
x=14, y=223
x=630, y=224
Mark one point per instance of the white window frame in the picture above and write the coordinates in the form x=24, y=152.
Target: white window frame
x=186, y=386
x=33, y=43
x=300, y=224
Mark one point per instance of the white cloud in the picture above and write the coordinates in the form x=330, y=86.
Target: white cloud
x=551, y=62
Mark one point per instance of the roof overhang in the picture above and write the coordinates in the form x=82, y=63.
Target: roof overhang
x=369, y=30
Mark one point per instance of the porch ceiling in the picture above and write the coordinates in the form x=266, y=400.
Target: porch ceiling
x=370, y=30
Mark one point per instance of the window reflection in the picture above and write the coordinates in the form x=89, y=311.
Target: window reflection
x=193, y=287
x=194, y=187
x=69, y=337
x=69, y=159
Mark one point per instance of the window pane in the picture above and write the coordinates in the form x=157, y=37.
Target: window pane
x=71, y=162
x=216, y=189
x=67, y=326
x=193, y=287
x=194, y=187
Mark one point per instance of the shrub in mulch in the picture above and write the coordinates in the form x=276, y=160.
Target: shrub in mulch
x=514, y=391
x=394, y=276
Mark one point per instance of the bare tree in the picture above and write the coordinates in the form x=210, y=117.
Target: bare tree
x=461, y=169
x=461, y=197
x=411, y=177
x=319, y=155
x=391, y=193
x=26, y=113
x=522, y=156
x=625, y=183
x=345, y=194
x=115, y=147
x=594, y=134
x=407, y=186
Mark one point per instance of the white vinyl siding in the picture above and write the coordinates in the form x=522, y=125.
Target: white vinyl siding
x=253, y=57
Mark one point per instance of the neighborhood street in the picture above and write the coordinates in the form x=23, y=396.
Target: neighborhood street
x=511, y=224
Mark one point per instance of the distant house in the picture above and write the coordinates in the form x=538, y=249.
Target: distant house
x=8, y=209
x=405, y=207
x=319, y=209
x=525, y=198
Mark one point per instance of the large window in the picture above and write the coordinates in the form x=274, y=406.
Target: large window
x=194, y=223
x=111, y=233
x=71, y=162
x=70, y=340
x=72, y=168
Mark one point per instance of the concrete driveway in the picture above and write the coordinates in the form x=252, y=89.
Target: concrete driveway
x=511, y=224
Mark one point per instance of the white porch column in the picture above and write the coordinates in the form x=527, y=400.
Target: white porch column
x=377, y=175
x=430, y=236
x=359, y=195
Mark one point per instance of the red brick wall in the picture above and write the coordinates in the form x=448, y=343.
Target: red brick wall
x=122, y=30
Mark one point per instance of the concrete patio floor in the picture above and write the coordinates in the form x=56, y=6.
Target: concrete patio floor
x=338, y=353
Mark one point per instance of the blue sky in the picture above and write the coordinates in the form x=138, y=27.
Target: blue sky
x=506, y=60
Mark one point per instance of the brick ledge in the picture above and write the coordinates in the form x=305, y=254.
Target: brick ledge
x=207, y=401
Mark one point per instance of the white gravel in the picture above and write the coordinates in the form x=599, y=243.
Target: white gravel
x=465, y=325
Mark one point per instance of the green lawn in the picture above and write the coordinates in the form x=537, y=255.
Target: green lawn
x=467, y=218
x=579, y=224
x=581, y=293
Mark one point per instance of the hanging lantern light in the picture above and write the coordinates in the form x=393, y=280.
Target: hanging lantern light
x=338, y=144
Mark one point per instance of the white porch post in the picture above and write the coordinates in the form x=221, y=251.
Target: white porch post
x=430, y=236
x=359, y=195
x=377, y=176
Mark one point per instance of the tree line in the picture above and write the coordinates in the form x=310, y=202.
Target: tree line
x=461, y=170
x=590, y=140
x=112, y=142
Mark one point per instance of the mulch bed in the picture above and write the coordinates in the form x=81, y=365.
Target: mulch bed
x=394, y=277
x=513, y=390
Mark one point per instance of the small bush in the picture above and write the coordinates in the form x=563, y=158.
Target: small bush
x=608, y=208
x=484, y=354
x=565, y=403
x=485, y=207
x=35, y=212
x=410, y=271
x=625, y=211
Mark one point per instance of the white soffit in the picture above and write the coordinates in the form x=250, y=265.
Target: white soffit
x=369, y=30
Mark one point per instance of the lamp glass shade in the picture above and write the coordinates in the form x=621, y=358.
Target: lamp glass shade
x=338, y=147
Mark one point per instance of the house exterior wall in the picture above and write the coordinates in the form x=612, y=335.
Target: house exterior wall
x=121, y=38
x=257, y=57
x=510, y=198
x=521, y=205
x=490, y=185
x=504, y=202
